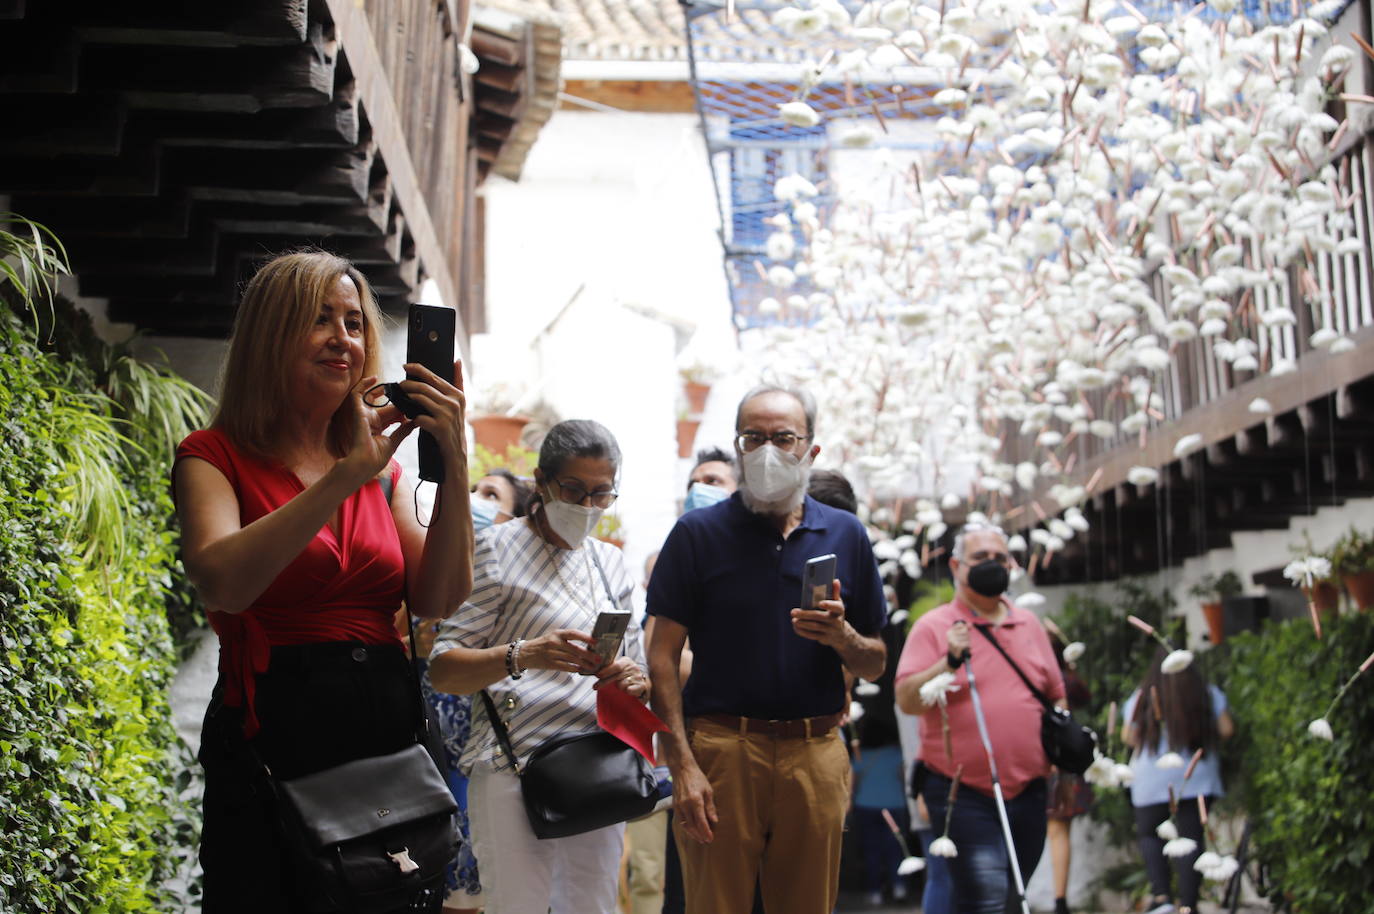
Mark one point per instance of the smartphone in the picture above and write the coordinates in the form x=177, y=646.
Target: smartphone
x=816, y=578
x=608, y=633
x=429, y=341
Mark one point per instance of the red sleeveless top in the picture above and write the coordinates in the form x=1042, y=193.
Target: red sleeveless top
x=344, y=587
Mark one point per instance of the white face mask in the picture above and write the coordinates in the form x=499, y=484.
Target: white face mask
x=572, y=523
x=484, y=513
x=772, y=474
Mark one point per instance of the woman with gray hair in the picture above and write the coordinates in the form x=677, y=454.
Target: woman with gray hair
x=523, y=635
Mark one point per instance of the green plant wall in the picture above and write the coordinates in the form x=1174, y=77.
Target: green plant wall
x=92, y=775
x=1310, y=802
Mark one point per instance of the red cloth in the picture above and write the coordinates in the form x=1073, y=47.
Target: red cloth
x=340, y=588
x=625, y=717
x=1012, y=712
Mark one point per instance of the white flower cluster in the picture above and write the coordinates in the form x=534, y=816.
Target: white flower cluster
x=1001, y=284
x=937, y=690
x=1304, y=571
x=1105, y=772
x=1216, y=867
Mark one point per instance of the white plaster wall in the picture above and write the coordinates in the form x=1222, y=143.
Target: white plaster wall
x=620, y=207
x=1250, y=552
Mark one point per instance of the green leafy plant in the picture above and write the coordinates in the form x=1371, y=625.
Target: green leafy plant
x=610, y=529
x=519, y=460
x=1353, y=553
x=94, y=814
x=1214, y=588
x=31, y=260
x=1310, y=802
x=925, y=597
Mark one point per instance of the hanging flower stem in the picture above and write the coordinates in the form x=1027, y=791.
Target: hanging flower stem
x=1368, y=661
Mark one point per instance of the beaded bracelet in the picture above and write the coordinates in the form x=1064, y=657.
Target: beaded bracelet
x=513, y=659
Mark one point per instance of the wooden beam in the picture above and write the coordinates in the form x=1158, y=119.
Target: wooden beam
x=355, y=34
x=661, y=97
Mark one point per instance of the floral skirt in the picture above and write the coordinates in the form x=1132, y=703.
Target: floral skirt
x=1068, y=796
x=454, y=715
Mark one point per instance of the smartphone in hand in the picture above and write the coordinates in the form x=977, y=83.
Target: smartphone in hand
x=816, y=578
x=607, y=634
x=429, y=341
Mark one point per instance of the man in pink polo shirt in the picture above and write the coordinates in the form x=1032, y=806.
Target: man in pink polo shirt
x=943, y=641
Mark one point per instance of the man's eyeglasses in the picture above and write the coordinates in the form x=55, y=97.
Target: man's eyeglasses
x=575, y=494
x=752, y=441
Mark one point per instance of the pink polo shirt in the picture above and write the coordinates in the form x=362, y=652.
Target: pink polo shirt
x=1012, y=712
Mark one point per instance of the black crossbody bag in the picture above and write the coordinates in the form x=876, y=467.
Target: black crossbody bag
x=1069, y=745
x=373, y=835
x=574, y=783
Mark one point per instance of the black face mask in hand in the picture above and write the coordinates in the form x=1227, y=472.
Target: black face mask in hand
x=989, y=578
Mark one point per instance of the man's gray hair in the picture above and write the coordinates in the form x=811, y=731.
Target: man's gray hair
x=958, y=550
x=577, y=438
x=808, y=403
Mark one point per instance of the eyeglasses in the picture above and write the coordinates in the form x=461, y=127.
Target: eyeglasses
x=752, y=441
x=575, y=494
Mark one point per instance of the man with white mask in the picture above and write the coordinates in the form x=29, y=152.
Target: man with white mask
x=760, y=773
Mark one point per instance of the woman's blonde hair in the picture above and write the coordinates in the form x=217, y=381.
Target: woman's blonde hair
x=279, y=307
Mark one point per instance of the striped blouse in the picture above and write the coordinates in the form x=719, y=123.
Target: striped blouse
x=523, y=588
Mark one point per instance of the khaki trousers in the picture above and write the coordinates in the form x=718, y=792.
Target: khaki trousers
x=646, y=845
x=781, y=805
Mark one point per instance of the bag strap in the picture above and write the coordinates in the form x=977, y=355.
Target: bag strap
x=1039, y=696
x=498, y=726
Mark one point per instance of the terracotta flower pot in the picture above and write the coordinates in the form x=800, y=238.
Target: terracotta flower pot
x=1216, y=622
x=696, y=396
x=496, y=433
x=686, y=435
x=1361, y=589
x=1326, y=596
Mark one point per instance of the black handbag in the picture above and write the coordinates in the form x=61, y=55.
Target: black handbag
x=578, y=782
x=1069, y=745
x=372, y=835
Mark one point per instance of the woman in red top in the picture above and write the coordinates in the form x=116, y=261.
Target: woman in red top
x=301, y=561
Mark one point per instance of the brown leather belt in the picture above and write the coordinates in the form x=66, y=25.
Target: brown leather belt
x=799, y=728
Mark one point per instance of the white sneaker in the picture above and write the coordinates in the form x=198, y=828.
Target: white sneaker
x=1165, y=908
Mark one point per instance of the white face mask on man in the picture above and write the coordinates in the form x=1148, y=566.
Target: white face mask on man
x=572, y=523
x=773, y=475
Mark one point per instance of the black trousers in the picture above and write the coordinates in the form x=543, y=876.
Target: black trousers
x=319, y=705
x=1189, y=822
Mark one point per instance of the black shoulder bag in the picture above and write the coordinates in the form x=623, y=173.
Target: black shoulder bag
x=578, y=782
x=1069, y=745
x=373, y=835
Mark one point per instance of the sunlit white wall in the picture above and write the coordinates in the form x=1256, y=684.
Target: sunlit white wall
x=620, y=207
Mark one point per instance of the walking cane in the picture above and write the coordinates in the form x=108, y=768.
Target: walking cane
x=997, y=792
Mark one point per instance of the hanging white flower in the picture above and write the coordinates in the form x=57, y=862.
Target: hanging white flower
x=943, y=847
x=799, y=114
x=1166, y=830
x=1341, y=344
x=1101, y=773
x=1302, y=572
x=1187, y=444
x=865, y=688
x=1073, y=651
x=1125, y=775
x=1321, y=729
x=1142, y=476
x=1031, y=600
x=781, y=246
x=937, y=690
x=1169, y=760
x=1017, y=543
x=1261, y=406
x=1176, y=661
x=1180, y=847
x=910, y=865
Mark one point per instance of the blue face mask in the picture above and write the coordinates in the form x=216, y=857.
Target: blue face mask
x=484, y=513
x=700, y=495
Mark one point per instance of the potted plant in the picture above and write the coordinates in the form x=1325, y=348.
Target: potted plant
x=686, y=434
x=1352, y=560
x=493, y=425
x=697, y=375
x=1212, y=590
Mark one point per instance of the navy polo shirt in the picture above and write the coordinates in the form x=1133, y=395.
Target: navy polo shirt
x=727, y=575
